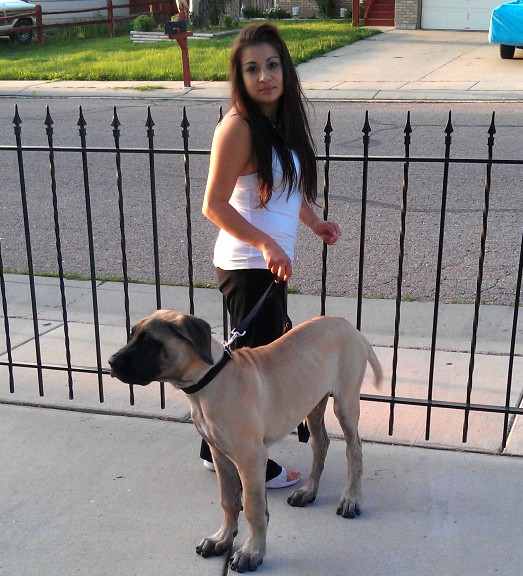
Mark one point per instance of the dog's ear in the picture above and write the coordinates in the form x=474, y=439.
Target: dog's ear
x=197, y=331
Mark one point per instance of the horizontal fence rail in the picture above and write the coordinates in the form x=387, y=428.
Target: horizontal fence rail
x=85, y=156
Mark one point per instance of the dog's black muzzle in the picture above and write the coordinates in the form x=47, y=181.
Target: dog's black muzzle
x=132, y=368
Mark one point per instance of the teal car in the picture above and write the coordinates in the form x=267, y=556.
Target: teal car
x=506, y=28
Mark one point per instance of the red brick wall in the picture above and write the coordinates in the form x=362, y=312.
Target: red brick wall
x=309, y=8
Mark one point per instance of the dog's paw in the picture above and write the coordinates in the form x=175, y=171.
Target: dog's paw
x=215, y=545
x=301, y=497
x=246, y=559
x=348, y=508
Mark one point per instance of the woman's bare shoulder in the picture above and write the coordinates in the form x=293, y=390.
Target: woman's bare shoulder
x=233, y=139
x=234, y=123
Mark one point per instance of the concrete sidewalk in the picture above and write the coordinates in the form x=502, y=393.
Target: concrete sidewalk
x=404, y=65
x=112, y=489
x=450, y=373
x=98, y=495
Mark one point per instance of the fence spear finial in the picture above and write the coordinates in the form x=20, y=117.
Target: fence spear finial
x=185, y=121
x=81, y=120
x=492, y=127
x=408, y=127
x=449, y=129
x=17, y=121
x=116, y=121
x=149, y=124
x=328, y=127
x=366, y=126
x=48, y=120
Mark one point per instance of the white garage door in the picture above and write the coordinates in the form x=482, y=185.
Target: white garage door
x=457, y=14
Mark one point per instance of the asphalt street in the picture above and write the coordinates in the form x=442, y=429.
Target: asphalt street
x=465, y=200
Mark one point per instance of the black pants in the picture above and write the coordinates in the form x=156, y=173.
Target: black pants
x=242, y=290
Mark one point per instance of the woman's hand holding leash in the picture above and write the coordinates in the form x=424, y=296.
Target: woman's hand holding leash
x=277, y=261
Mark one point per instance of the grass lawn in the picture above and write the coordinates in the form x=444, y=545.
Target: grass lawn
x=76, y=58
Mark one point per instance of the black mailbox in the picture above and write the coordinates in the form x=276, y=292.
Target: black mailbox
x=176, y=27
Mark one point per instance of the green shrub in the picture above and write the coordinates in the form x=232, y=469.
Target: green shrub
x=216, y=9
x=276, y=13
x=144, y=23
x=252, y=12
x=226, y=21
x=326, y=7
x=87, y=31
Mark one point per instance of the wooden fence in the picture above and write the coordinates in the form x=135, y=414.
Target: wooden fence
x=159, y=9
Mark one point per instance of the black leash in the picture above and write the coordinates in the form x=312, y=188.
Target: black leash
x=238, y=332
x=241, y=330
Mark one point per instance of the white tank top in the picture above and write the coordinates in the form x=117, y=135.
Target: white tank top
x=279, y=219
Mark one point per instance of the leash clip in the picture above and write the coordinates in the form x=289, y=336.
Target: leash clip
x=234, y=334
x=245, y=323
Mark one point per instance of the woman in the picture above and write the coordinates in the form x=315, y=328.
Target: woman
x=262, y=180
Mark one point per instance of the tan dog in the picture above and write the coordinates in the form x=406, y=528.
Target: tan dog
x=260, y=396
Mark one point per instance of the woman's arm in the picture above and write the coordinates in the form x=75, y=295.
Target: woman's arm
x=231, y=157
x=329, y=232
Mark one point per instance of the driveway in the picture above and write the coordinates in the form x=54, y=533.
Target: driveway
x=416, y=65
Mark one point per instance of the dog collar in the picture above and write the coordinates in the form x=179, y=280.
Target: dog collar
x=214, y=371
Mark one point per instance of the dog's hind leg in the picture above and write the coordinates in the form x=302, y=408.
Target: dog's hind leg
x=230, y=494
x=320, y=444
x=348, y=414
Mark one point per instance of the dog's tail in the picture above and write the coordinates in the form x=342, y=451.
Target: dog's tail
x=374, y=363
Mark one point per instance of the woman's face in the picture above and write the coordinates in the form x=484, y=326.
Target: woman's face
x=262, y=74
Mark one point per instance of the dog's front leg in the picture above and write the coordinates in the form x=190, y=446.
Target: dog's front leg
x=252, y=474
x=230, y=496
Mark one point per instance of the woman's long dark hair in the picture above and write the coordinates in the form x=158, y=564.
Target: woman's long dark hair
x=291, y=131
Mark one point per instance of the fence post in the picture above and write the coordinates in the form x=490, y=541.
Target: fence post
x=17, y=121
x=91, y=247
x=110, y=18
x=39, y=25
x=366, y=140
x=399, y=282
x=326, y=188
x=185, y=136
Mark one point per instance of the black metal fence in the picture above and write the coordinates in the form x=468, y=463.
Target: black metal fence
x=88, y=156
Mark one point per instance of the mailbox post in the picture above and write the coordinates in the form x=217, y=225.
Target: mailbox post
x=355, y=12
x=178, y=31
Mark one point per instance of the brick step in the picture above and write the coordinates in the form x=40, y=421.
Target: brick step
x=381, y=14
x=379, y=22
x=384, y=4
